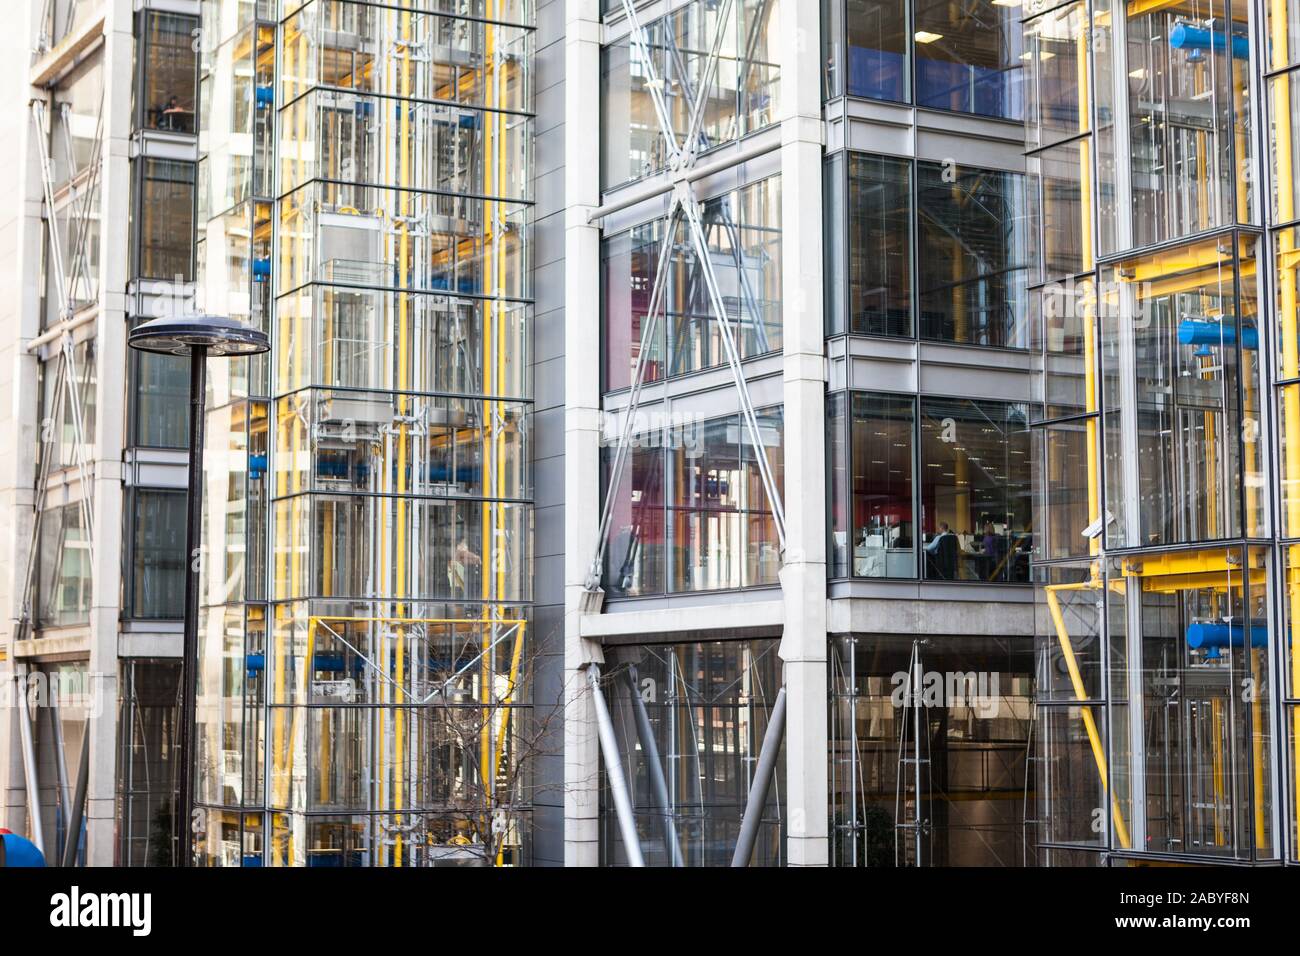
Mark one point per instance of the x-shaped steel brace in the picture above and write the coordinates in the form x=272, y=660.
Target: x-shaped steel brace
x=683, y=207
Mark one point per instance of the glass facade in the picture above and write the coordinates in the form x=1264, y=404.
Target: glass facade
x=948, y=243
x=690, y=513
x=691, y=718
x=743, y=93
x=1158, y=678
x=945, y=495
x=974, y=713
x=364, y=670
x=960, y=57
x=744, y=238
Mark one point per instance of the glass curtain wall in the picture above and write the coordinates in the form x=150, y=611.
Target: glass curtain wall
x=382, y=696
x=233, y=268
x=742, y=98
x=689, y=720
x=1157, y=674
x=944, y=495
x=962, y=57
x=743, y=232
x=943, y=251
x=1282, y=88
x=691, y=513
x=974, y=714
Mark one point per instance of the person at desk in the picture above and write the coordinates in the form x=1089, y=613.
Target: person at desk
x=941, y=554
x=993, y=548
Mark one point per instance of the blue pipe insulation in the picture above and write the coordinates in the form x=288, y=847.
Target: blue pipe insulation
x=1184, y=36
x=1213, y=635
x=1206, y=332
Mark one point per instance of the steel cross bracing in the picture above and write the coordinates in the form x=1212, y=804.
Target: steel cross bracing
x=685, y=207
x=66, y=380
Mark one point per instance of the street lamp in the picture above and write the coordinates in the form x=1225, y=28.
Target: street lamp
x=198, y=336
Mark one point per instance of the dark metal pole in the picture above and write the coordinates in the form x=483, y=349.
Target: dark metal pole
x=72, y=839
x=190, y=652
x=761, y=783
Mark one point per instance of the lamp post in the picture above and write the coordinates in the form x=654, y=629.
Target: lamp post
x=198, y=336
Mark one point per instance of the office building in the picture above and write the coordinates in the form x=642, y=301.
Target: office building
x=896, y=390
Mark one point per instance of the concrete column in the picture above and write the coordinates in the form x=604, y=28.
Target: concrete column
x=582, y=419
x=21, y=238
x=803, y=575
x=110, y=433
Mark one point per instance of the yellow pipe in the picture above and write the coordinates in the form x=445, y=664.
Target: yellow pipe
x=1089, y=724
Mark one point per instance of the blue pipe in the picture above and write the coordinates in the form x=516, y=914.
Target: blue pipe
x=1204, y=332
x=1187, y=37
x=1214, y=635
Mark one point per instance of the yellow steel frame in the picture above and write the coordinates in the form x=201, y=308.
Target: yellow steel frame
x=1287, y=264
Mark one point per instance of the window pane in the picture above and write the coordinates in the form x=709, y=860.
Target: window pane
x=976, y=490
x=170, y=72
x=1182, y=173
x=166, y=220
x=1056, y=48
x=877, y=42
x=162, y=393
x=883, y=530
x=630, y=262
x=64, y=583
x=158, y=555
x=975, y=244
x=634, y=553
x=968, y=57
x=1177, y=468
x=1059, y=174
x=880, y=245
x=707, y=707
x=837, y=454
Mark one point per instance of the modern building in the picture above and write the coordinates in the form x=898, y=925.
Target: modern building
x=101, y=148
x=862, y=421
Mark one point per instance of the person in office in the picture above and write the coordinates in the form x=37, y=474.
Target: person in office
x=941, y=552
x=993, y=549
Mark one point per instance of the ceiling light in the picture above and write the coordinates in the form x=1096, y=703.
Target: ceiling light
x=923, y=36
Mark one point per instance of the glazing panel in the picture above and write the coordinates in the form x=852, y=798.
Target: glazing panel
x=1178, y=341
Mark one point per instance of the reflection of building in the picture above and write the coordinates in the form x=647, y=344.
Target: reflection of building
x=628, y=360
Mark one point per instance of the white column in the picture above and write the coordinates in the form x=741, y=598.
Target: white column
x=110, y=426
x=803, y=575
x=582, y=419
x=21, y=235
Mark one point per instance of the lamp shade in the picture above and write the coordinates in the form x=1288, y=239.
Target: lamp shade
x=180, y=335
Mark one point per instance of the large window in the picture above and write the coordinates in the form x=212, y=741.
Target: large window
x=158, y=554
x=64, y=584
x=879, y=246
x=742, y=229
x=691, y=513
x=689, y=720
x=967, y=53
x=162, y=392
x=968, y=515
x=742, y=97
x=165, y=220
x=975, y=254
x=976, y=490
x=881, y=437
x=168, y=71
x=867, y=51
x=968, y=57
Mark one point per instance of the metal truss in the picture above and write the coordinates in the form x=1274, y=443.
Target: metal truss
x=685, y=209
x=66, y=394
